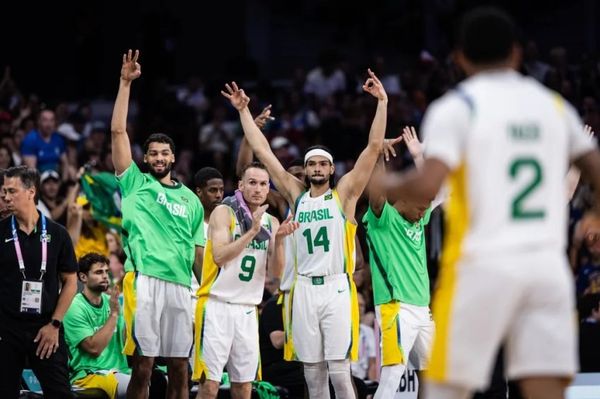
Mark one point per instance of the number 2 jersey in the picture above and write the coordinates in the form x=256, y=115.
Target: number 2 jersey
x=325, y=240
x=508, y=141
x=242, y=279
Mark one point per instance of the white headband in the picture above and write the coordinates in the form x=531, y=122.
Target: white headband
x=318, y=151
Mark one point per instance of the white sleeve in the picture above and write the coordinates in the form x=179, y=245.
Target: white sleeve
x=579, y=142
x=445, y=127
x=370, y=337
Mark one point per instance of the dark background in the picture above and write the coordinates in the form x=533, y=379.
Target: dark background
x=71, y=50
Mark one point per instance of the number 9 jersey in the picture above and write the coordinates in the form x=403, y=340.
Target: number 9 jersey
x=242, y=279
x=508, y=153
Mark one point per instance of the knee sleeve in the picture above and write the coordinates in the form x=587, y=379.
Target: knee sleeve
x=317, y=380
x=341, y=379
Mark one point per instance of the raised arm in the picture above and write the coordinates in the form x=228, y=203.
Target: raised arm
x=354, y=182
x=415, y=148
x=245, y=155
x=121, y=149
x=376, y=189
x=288, y=185
x=224, y=248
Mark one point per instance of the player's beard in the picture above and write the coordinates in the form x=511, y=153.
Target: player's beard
x=99, y=288
x=160, y=175
x=318, y=180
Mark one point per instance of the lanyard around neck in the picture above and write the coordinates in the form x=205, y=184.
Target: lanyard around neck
x=20, y=254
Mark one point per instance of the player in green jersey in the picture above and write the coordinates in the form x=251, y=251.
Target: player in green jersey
x=396, y=240
x=94, y=331
x=162, y=235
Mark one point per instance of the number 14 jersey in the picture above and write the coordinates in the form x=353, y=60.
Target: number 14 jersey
x=242, y=279
x=325, y=239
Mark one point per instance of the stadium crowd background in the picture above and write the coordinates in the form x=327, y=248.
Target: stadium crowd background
x=313, y=85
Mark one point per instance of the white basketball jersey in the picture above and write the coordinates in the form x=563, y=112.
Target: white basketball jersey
x=325, y=239
x=242, y=279
x=508, y=141
x=195, y=284
x=289, y=270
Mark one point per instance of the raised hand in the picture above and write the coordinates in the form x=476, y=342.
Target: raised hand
x=75, y=210
x=236, y=96
x=257, y=217
x=265, y=116
x=374, y=87
x=409, y=134
x=287, y=227
x=131, y=70
x=388, y=147
x=114, y=301
x=588, y=130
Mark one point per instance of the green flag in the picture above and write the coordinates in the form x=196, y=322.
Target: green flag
x=102, y=191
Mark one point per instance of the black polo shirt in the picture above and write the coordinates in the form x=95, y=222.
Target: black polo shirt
x=61, y=258
x=271, y=319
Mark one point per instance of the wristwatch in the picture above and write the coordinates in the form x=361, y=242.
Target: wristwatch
x=56, y=323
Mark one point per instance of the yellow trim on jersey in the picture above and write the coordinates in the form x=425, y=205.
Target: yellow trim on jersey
x=258, y=376
x=129, y=308
x=349, y=266
x=289, y=351
x=108, y=383
x=559, y=103
x=354, y=320
x=457, y=220
x=200, y=367
x=210, y=271
x=391, y=345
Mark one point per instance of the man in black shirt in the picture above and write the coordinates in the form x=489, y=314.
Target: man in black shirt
x=275, y=370
x=36, y=256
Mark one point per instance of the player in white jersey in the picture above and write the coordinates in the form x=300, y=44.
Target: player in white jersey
x=324, y=309
x=233, y=278
x=209, y=187
x=505, y=142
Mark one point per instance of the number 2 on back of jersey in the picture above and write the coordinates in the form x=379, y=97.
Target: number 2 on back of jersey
x=320, y=240
x=518, y=208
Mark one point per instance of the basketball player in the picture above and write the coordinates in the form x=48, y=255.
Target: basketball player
x=233, y=278
x=324, y=303
x=505, y=143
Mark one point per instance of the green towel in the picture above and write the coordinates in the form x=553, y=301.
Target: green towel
x=265, y=390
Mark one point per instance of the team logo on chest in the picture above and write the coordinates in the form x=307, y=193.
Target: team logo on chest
x=173, y=208
x=414, y=233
